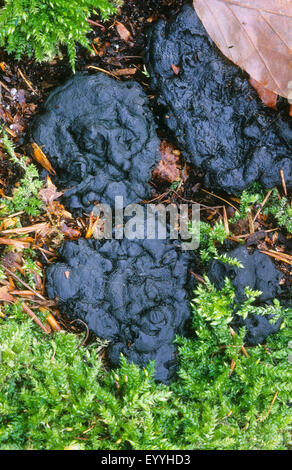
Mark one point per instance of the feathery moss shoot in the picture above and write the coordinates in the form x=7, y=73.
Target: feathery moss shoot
x=38, y=28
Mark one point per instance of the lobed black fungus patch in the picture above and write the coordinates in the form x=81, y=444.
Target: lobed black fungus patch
x=99, y=135
x=215, y=114
x=259, y=273
x=131, y=292
x=258, y=327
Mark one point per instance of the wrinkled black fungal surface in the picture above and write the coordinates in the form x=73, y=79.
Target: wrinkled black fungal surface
x=132, y=293
x=259, y=273
x=258, y=327
x=212, y=110
x=100, y=137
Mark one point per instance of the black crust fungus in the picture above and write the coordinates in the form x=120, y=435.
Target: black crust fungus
x=258, y=273
x=131, y=292
x=215, y=114
x=99, y=135
x=258, y=327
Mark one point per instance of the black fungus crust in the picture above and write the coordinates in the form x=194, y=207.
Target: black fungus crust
x=258, y=273
x=131, y=292
x=258, y=327
x=215, y=114
x=100, y=137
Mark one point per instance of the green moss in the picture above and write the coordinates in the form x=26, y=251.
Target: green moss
x=219, y=407
x=276, y=205
x=38, y=28
x=54, y=394
x=25, y=196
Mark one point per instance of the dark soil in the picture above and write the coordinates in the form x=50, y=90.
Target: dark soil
x=9, y=175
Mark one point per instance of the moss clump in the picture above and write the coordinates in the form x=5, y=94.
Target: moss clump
x=53, y=392
x=38, y=28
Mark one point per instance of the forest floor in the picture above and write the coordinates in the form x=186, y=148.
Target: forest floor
x=117, y=48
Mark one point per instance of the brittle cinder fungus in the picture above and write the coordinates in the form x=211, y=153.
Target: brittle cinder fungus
x=100, y=137
x=210, y=107
x=259, y=273
x=131, y=292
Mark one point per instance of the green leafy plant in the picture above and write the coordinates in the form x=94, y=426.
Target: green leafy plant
x=225, y=399
x=25, y=197
x=248, y=199
x=56, y=394
x=40, y=27
x=281, y=209
x=210, y=237
x=30, y=268
x=277, y=206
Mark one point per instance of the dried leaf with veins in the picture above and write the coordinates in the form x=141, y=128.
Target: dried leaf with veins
x=254, y=34
x=169, y=168
x=124, y=34
x=268, y=97
x=50, y=193
x=70, y=232
x=5, y=296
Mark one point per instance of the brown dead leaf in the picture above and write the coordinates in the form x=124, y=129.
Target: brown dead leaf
x=49, y=193
x=19, y=243
x=125, y=72
x=40, y=157
x=268, y=97
x=5, y=296
x=70, y=232
x=169, y=168
x=254, y=34
x=124, y=34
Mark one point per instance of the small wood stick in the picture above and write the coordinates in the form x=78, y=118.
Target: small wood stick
x=262, y=205
x=283, y=182
x=225, y=219
x=232, y=367
x=271, y=405
x=243, y=350
x=17, y=278
x=34, y=317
